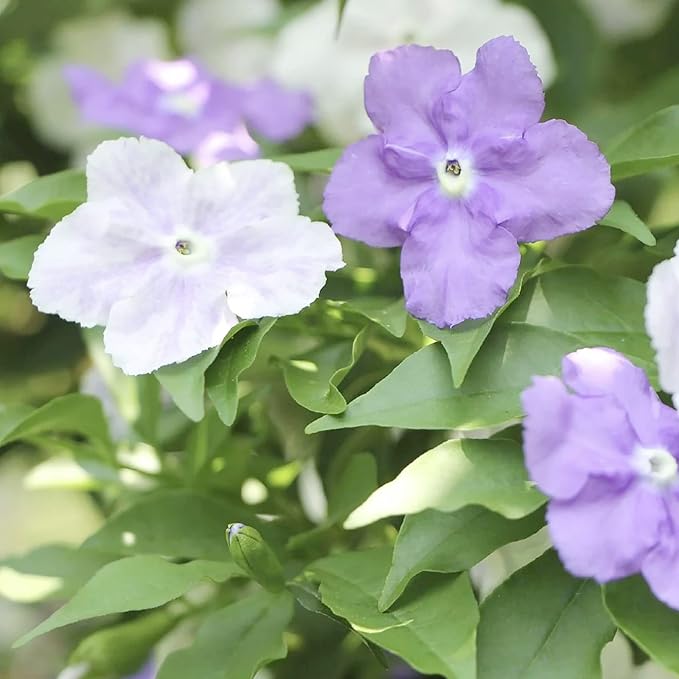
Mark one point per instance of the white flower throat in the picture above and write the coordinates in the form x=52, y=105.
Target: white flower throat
x=456, y=176
x=656, y=465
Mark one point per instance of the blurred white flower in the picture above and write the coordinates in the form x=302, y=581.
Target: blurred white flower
x=662, y=322
x=617, y=663
x=622, y=20
x=233, y=38
x=109, y=43
x=309, y=56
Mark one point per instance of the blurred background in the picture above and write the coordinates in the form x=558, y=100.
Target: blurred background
x=606, y=64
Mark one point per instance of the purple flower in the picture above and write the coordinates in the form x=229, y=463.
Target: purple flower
x=604, y=448
x=461, y=171
x=179, y=103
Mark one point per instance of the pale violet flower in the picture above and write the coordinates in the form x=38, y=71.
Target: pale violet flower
x=309, y=56
x=109, y=43
x=168, y=259
x=621, y=20
x=233, y=38
x=662, y=322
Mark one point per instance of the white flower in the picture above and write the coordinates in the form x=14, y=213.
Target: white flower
x=627, y=19
x=231, y=37
x=109, y=43
x=153, y=251
x=662, y=322
x=309, y=56
x=617, y=662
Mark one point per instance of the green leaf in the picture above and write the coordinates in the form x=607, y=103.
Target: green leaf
x=386, y=312
x=50, y=197
x=135, y=583
x=457, y=473
x=177, y=523
x=542, y=623
x=558, y=312
x=16, y=256
x=321, y=161
x=185, y=382
x=651, y=145
x=236, y=641
x=72, y=414
x=312, y=380
x=433, y=628
x=651, y=624
x=435, y=542
x=621, y=216
x=464, y=341
x=237, y=354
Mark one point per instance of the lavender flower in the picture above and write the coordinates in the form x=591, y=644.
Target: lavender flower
x=461, y=171
x=152, y=252
x=605, y=449
x=182, y=104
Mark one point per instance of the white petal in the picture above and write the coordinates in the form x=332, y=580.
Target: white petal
x=277, y=267
x=227, y=197
x=662, y=321
x=139, y=172
x=86, y=264
x=168, y=322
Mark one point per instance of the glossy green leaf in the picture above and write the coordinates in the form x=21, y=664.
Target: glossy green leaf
x=651, y=145
x=234, y=642
x=457, y=473
x=235, y=356
x=621, y=216
x=463, y=342
x=651, y=624
x=321, y=161
x=178, y=523
x=386, y=312
x=72, y=414
x=313, y=379
x=558, y=312
x=135, y=583
x=16, y=256
x=433, y=628
x=185, y=382
x=542, y=623
x=50, y=197
x=449, y=543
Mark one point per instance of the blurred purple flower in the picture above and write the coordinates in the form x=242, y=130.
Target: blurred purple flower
x=180, y=103
x=604, y=448
x=461, y=171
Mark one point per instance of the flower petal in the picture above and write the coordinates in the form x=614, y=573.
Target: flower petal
x=457, y=266
x=605, y=372
x=403, y=91
x=142, y=174
x=606, y=532
x=551, y=182
x=661, y=566
x=366, y=201
x=87, y=263
x=565, y=445
x=662, y=322
x=169, y=321
x=502, y=93
x=277, y=266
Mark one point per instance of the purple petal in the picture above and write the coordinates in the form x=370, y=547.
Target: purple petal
x=366, y=201
x=607, y=530
x=661, y=566
x=403, y=89
x=276, y=112
x=561, y=183
x=456, y=266
x=502, y=93
x=565, y=445
x=605, y=372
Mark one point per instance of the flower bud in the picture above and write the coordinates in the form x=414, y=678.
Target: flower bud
x=254, y=556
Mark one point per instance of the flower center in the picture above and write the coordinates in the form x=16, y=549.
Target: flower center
x=657, y=465
x=455, y=176
x=183, y=247
x=184, y=104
